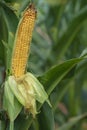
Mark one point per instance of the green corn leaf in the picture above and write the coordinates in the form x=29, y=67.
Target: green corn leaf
x=56, y=2
x=18, y=5
x=11, y=21
x=3, y=36
x=46, y=118
x=72, y=30
x=2, y=59
x=63, y=86
x=59, y=93
x=53, y=77
x=72, y=122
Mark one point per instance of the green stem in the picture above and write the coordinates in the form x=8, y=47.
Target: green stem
x=11, y=125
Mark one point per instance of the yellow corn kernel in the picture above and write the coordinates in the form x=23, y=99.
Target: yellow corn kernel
x=22, y=42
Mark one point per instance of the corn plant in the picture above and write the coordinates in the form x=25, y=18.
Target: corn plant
x=35, y=89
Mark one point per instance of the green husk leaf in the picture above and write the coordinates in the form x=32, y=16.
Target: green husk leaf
x=11, y=104
x=14, y=89
x=24, y=91
x=40, y=93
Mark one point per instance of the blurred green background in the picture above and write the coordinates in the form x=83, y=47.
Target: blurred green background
x=60, y=34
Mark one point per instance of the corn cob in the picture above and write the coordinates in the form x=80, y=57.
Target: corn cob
x=22, y=42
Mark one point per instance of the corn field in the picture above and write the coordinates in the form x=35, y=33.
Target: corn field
x=43, y=64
